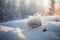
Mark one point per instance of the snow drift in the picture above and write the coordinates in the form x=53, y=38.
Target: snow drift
x=19, y=30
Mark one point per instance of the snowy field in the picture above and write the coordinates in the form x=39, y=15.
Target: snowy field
x=19, y=30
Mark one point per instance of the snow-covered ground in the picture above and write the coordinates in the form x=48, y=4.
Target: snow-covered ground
x=17, y=23
x=18, y=30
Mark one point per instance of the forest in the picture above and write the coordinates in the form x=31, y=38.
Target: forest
x=20, y=9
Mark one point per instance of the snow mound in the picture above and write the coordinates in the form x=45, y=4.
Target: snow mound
x=34, y=21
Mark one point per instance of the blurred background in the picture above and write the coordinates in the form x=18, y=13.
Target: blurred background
x=21, y=9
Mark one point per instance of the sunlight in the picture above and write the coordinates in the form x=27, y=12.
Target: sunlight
x=5, y=29
x=19, y=33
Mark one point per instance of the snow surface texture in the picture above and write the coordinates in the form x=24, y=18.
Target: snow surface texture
x=18, y=30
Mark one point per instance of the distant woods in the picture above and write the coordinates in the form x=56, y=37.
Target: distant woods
x=20, y=9
x=14, y=10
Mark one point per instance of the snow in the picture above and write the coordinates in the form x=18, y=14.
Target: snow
x=18, y=30
x=34, y=34
x=17, y=23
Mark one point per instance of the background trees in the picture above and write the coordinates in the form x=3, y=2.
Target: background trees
x=20, y=9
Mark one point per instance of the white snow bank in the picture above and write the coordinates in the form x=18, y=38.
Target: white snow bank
x=53, y=26
x=18, y=23
x=17, y=30
x=34, y=34
x=8, y=33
